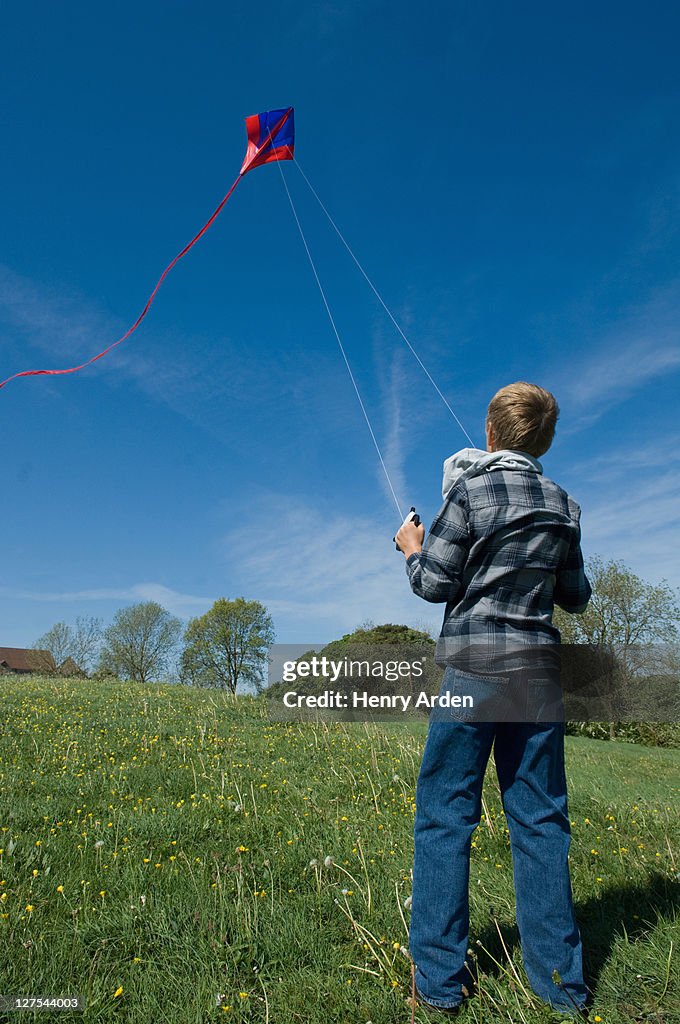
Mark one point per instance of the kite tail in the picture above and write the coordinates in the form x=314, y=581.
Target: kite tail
x=178, y=257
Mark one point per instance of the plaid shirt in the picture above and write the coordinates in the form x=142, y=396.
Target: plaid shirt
x=504, y=548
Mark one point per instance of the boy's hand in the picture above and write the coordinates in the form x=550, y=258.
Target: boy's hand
x=410, y=538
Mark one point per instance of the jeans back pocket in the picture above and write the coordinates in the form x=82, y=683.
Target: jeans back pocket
x=472, y=698
x=545, y=703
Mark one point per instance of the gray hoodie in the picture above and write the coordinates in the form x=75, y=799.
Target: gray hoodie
x=472, y=461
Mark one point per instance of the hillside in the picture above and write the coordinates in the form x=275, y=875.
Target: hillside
x=161, y=845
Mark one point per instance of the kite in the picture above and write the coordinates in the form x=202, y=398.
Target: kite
x=271, y=137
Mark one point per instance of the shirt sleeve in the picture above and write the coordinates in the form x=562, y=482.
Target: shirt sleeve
x=572, y=588
x=436, y=572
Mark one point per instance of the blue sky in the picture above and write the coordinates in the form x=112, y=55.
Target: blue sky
x=508, y=176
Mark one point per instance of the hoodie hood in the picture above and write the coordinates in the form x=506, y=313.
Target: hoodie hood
x=471, y=461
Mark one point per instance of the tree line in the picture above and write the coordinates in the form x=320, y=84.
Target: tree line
x=229, y=644
x=225, y=647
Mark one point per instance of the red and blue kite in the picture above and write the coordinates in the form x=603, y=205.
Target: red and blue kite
x=271, y=137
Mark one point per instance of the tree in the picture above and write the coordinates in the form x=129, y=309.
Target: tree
x=140, y=641
x=387, y=633
x=625, y=622
x=79, y=642
x=623, y=610
x=228, y=645
x=387, y=644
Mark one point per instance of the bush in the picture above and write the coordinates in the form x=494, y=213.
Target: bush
x=649, y=734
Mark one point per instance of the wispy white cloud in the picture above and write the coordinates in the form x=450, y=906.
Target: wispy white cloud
x=322, y=574
x=631, y=509
x=61, y=327
x=208, y=381
x=183, y=605
x=644, y=345
x=47, y=327
x=318, y=575
x=645, y=458
x=409, y=406
x=396, y=443
x=630, y=492
x=618, y=370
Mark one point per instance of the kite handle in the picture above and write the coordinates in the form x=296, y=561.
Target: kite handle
x=412, y=517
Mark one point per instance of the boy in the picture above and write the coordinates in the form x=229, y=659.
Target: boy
x=502, y=550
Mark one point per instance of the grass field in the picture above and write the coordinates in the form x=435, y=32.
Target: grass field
x=161, y=846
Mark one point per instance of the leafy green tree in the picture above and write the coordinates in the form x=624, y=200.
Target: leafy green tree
x=228, y=645
x=381, y=644
x=624, y=610
x=140, y=642
x=632, y=623
x=387, y=633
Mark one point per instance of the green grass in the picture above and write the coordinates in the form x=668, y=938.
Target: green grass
x=182, y=827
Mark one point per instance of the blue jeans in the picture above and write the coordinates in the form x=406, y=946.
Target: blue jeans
x=529, y=760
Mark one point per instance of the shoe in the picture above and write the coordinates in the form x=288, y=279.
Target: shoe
x=417, y=999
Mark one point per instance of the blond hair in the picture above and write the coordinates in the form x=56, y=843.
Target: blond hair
x=523, y=417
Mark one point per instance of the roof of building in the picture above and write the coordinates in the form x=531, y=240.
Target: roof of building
x=22, y=659
x=69, y=667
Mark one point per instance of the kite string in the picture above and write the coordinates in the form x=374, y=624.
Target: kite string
x=340, y=345
x=130, y=330
x=381, y=300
